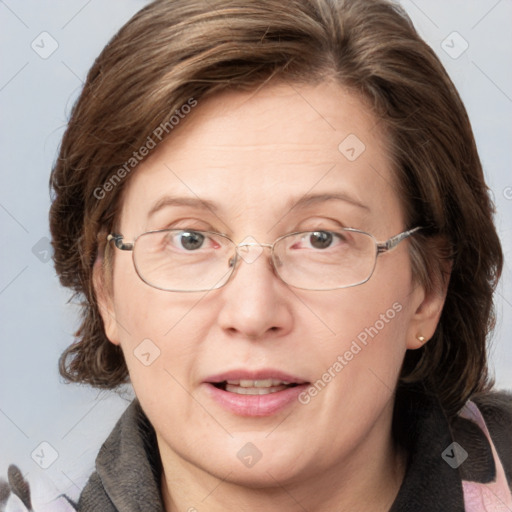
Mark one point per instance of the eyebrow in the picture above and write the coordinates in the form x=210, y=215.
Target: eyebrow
x=302, y=203
x=202, y=204
x=313, y=199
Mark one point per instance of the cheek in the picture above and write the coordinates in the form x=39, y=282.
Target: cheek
x=364, y=333
x=372, y=311
x=356, y=373
x=359, y=356
x=142, y=311
x=159, y=333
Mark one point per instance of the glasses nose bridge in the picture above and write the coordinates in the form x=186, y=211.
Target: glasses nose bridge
x=249, y=251
x=253, y=244
x=248, y=245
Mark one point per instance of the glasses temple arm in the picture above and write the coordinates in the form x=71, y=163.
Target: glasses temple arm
x=395, y=240
x=118, y=241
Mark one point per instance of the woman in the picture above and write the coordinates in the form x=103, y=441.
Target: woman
x=276, y=216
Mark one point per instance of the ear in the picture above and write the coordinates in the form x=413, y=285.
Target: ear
x=103, y=291
x=428, y=306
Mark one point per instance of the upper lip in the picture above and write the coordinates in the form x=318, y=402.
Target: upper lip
x=266, y=373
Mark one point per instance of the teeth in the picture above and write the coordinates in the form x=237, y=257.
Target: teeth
x=256, y=387
x=233, y=388
x=263, y=383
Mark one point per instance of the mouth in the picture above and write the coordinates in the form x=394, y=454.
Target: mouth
x=259, y=393
x=254, y=387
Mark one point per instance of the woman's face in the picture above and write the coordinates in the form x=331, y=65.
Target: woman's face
x=261, y=165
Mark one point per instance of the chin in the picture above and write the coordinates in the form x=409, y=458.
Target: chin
x=258, y=462
x=263, y=475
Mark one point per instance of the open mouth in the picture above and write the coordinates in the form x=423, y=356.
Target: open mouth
x=255, y=393
x=254, y=387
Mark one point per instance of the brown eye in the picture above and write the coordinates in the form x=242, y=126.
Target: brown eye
x=320, y=239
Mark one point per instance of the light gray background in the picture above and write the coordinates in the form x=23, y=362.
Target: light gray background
x=36, y=95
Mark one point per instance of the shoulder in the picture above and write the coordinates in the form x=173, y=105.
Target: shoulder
x=496, y=408
x=128, y=468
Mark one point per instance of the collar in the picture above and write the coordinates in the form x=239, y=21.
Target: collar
x=128, y=468
x=430, y=484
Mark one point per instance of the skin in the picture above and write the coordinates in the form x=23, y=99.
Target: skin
x=255, y=155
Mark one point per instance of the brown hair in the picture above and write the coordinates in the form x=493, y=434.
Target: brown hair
x=175, y=50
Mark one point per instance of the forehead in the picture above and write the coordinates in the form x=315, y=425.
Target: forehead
x=243, y=150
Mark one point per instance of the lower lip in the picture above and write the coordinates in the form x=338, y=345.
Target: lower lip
x=255, y=405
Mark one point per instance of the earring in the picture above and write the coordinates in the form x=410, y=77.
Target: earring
x=421, y=339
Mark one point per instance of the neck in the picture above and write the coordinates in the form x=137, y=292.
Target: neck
x=368, y=479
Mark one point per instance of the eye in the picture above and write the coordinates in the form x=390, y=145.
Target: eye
x=321, y=239
x=188, y=240
x=317, y=240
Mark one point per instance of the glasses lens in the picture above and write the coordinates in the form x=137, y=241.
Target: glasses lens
x=183, y=260
x=325, y=260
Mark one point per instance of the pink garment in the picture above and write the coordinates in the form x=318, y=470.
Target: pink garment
x=494, y=496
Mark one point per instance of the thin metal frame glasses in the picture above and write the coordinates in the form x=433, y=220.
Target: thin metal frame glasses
x=190, y=260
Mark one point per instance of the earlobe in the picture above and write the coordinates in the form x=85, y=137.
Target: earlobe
x=428, y=296
x=425, y=318
x=105, y=303
x=418, y=342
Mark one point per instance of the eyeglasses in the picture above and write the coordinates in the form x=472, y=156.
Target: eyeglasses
x=186, y=260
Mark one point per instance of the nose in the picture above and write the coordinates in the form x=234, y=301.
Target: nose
x=255, y=301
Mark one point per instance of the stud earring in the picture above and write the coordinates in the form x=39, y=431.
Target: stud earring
x=421, y=339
